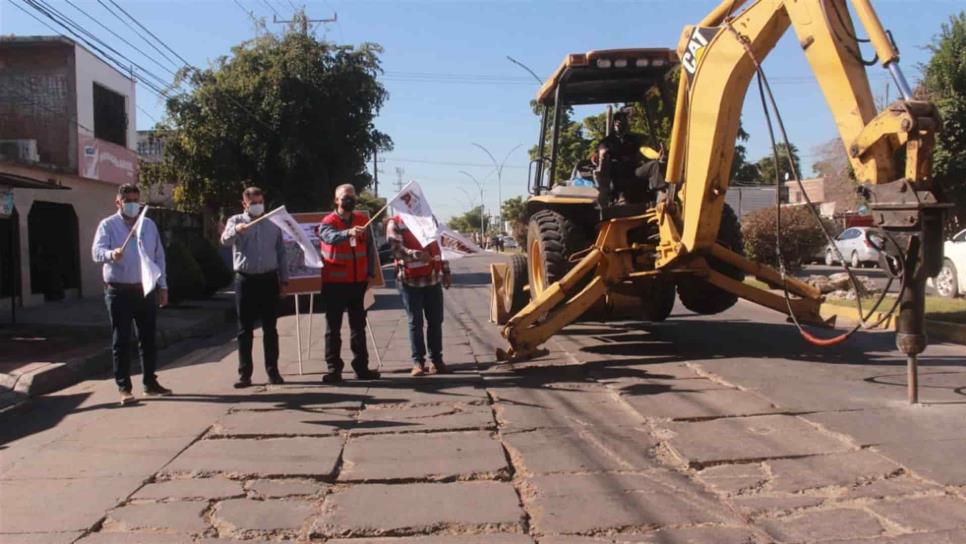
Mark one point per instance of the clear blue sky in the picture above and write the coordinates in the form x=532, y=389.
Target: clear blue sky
x=450, y=83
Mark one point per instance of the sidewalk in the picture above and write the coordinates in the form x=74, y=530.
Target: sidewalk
x=58, y=344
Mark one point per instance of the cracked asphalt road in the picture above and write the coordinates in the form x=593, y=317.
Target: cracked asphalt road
x=704, y=429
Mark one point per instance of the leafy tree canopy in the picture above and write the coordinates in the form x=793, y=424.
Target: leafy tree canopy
x=291, y=114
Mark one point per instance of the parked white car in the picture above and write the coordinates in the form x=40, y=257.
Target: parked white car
x=951, y=280
x=860, y=245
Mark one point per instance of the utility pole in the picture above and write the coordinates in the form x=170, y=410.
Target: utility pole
x=303, y=21
x=375, y=170
x=399, y=178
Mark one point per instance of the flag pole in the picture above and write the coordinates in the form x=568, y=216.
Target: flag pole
x=266, y=216
x=377, y=214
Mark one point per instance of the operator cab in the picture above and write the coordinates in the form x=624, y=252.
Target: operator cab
x=614, y=76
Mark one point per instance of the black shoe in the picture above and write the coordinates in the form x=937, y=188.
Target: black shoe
x=156, y=390
x=366, y=374
x=332, y=378
x=243, y=383
x=275, y=378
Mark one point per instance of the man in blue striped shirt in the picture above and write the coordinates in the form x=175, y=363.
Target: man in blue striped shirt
x=258, y=257
x=126, y=300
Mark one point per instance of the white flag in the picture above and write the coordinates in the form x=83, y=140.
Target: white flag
x=411, y=205
x=150, y=272
x=291, y=227
x=456, y=246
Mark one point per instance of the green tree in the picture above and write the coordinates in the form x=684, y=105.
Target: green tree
x=573, y=146
x=944, y=83
x=288, y=113
x=514, y=210
x=766, y=166
x=469, y=222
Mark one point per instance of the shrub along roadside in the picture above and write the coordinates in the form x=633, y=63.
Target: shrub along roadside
x=802, y=237
x=185, y=278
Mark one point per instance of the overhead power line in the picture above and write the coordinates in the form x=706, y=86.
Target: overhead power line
x=446, y=163
x=139, y=34
x=135, y=21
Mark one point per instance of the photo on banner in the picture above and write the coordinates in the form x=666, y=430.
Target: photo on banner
x=303, y=279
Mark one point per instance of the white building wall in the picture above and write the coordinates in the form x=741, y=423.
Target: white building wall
x=90, y=70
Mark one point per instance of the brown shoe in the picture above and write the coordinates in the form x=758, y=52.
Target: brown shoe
x=439, y=368
x=127, y=397
x=418, y=370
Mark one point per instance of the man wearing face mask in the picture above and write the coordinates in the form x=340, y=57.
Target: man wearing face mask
x=125, y=297
x=258, y=256
x=349, y=259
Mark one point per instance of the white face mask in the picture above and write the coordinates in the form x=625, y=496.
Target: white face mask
x=255, y=210
x=131, y=209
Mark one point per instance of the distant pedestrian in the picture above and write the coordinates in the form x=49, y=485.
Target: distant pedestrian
x=123, y=291
x=421, y=274
x=258, y=257
x=349, y=258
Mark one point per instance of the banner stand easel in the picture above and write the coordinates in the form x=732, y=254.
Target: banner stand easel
x=298, y=330
x=311, y=311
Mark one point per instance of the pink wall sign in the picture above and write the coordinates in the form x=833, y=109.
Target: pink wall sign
x=104, y=161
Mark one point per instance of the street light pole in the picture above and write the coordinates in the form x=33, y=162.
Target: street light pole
x=479, y=186
x=499, y=177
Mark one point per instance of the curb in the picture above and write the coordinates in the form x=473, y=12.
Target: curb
x=55, y=376
x=938, y=330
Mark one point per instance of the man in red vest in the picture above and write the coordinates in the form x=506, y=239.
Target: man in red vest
x=421, y=273
x=349, y=261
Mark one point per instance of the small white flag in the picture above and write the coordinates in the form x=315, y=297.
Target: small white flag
x=456, y=246
x=150, y=271
x=413, y=208
x=291, y=227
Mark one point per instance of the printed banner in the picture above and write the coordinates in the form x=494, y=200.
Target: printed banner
x=291, y=230
x=456, y=246
x=104, y=161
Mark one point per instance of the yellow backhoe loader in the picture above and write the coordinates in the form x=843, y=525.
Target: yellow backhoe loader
x=588, y=251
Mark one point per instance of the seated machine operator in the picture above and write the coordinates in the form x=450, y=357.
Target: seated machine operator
x=633, y=170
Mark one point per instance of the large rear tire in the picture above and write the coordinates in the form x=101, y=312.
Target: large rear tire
x=551, y=239
x=700, y=296
x=516, y=294
x=657, y=306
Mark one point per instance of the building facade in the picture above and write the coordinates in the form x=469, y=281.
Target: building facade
x=67, y=141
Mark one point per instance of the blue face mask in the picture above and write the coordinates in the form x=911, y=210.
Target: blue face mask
x=131, y=209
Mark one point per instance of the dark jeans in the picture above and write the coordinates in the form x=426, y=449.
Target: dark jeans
x=340, y=298
x=428, y=302
x=256, y=298
x=125, y=306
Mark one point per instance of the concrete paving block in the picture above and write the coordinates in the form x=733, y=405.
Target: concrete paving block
x=240, y=517
x=839, y=469
x=956, y=536
x=442, y=417
x=176, y=517
x=69, y=505
x=585, y=503
x=893, y=487
x=269, y=457
x=416, y=508
x=423, y=456
x=286, y=488
x=938, y=460
x=893, y=425
x=134, y=538
x=242, y=424
x=823, y=525
x=515, y=417
x=547, y=397
x=749, y=438
x=97, y=458
x=732, y=479
x=925, y=514
x=489, y=538
x=756, y=505
x=193, y=488
x=689, y=404
x=587, y=449
x=691, y=535
x=445, y=389
x=39, y=538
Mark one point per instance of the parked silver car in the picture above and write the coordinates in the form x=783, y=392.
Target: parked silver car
x=860, y=245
